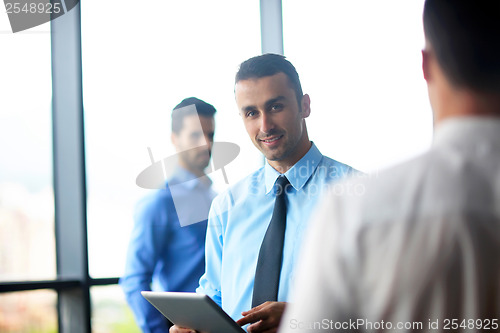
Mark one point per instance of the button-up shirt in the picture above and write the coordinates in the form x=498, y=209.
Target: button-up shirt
x=418, y=248
x=238, y=221
x=165, y=250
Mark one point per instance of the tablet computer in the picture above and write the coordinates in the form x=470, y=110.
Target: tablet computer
x=193, y=310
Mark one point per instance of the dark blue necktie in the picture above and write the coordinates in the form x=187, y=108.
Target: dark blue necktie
x=267, y=273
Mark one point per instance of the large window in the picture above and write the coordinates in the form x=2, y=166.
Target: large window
x=360, y=62
x=136, y=68
x=27, y=242
x=28, y=311
x=27, y=248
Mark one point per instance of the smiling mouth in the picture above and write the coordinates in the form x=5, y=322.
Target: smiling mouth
x=273, y=139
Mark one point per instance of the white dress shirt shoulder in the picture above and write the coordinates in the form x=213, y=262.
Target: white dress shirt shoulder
x=411, y=249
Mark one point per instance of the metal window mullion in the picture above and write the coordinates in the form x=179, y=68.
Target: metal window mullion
x=271, y=26
x=271, y=30
x=69, y=172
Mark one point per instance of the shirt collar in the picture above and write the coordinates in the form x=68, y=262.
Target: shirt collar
x=464, y=130
x=298, y=174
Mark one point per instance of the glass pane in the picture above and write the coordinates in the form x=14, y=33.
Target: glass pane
x=136, y=68
x=28, y=311
x=27, y=243
x=110, y=312
x=360, y=62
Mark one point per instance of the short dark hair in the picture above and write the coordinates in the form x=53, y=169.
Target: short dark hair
x=180, y=111
x=267, y=65
x=465, y=38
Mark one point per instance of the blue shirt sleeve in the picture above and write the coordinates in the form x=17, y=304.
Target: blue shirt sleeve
x=148, y=236
x=210, y=282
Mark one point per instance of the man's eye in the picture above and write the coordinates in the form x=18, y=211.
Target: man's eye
x=251, y=113
x=277, y=107
x=195, y=136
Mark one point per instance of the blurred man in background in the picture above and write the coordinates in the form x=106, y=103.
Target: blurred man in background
x=163, y=250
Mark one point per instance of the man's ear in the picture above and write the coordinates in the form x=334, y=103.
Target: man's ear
x=173, y=139
x=306, y=106
x=426, y=64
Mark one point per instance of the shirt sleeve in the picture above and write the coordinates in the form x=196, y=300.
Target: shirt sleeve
x=210, y=282
x=148, y=236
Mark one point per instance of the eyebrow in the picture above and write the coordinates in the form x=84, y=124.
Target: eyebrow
x=267, y=104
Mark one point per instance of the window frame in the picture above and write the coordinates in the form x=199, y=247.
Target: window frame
x=73, y=281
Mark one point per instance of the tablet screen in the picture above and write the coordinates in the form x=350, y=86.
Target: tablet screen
x=195, y=311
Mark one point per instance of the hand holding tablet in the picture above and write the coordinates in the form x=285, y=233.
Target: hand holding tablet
x=196, y=311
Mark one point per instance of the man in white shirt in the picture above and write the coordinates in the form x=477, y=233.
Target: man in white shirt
x=418, y=249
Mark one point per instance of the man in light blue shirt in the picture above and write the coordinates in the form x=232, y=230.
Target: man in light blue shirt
x=273, y=109
x=239, y=219
x=162, y=248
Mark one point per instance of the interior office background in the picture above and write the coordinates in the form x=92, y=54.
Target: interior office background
x=83, y=97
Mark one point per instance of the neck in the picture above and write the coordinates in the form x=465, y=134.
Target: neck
x=465, y=103
x=286, y=164
x=195, y=171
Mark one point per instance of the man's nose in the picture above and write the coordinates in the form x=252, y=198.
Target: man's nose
x=266, y=124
